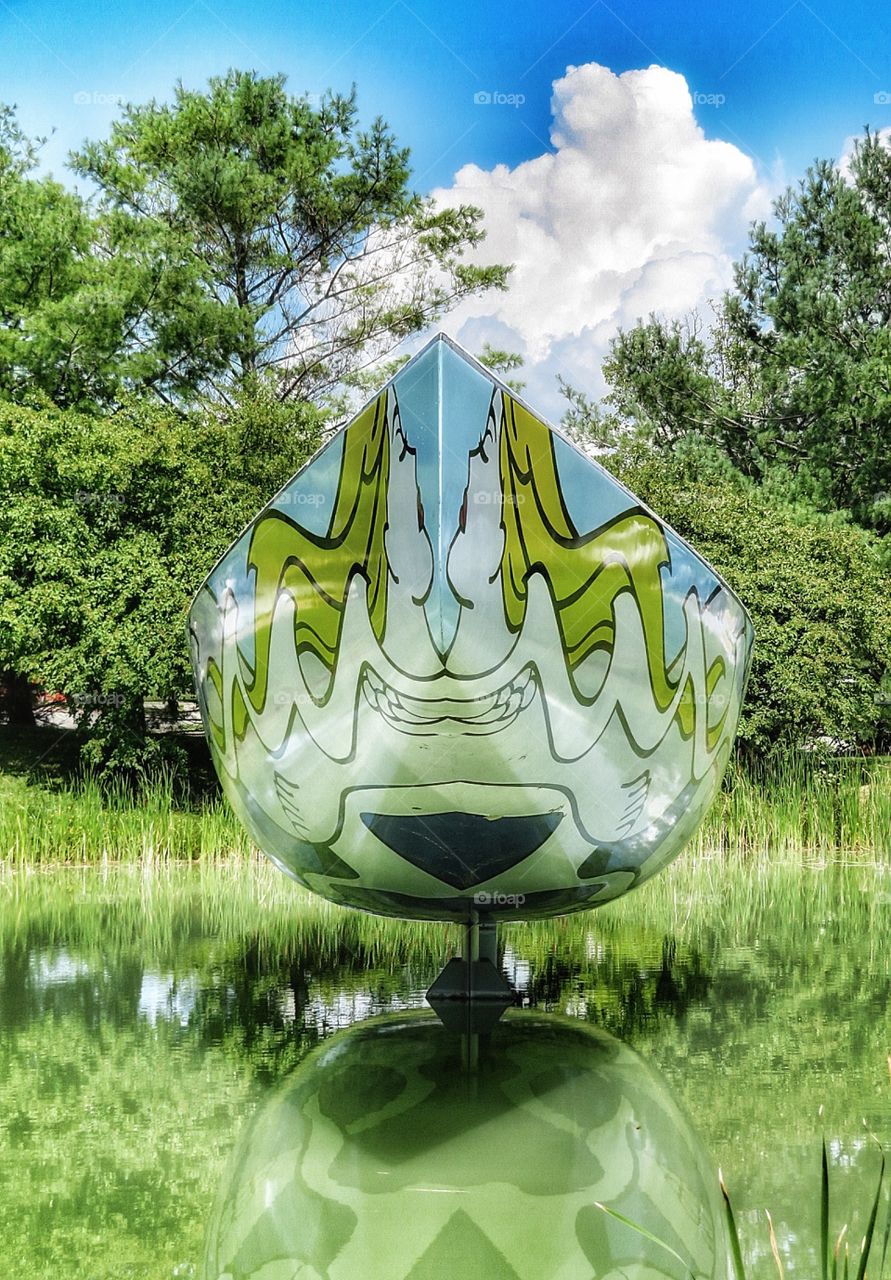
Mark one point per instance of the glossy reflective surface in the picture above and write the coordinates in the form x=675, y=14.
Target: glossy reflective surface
x=455, y=666
x=149, y=1023
x=384, y=1155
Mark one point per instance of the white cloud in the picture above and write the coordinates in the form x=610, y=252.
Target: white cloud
x=633, y=211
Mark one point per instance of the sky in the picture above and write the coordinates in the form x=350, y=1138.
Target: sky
x=619, y=151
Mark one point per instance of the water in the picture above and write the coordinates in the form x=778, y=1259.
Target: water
x=168, y=1079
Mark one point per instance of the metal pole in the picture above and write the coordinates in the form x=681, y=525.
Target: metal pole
x=472, y=939
x=470, y=1041
x=487, y=946
x=471, y=951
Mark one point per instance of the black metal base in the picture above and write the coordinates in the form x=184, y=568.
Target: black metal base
x=472, y=993
x=471, y=980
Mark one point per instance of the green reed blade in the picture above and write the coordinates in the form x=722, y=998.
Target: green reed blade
x=885, y=1241
x=870, y=1228
x=824, y=1216
x=739, y=1270
x=647, y=1235
x=841, y=1236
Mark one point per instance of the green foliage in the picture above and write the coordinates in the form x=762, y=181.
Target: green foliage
x=358, y=387
x=235, y=232
x=310, y=253
x=106, y=525
x=93, y=305
x=585, y=420
x=816, y=587
x=503, y=363
x=792, y=383
x=245, y=250
x=660, y=384
x=740, y=437
x=49, y=334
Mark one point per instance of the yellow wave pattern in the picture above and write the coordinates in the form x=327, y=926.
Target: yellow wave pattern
x=316, y=570
x=585, y=572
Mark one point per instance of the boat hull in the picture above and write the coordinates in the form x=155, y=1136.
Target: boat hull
x=454, y=668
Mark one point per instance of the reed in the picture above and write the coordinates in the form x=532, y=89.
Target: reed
x=831, y=1257
x=797, y=807
x=802, y=806
x=87, y=824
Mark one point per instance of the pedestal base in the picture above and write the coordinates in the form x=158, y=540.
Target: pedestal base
x=472, y=993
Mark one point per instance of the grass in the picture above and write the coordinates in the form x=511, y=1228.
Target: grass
x=802, y=806
x=835, y=1261
x=798, y=807
x=85, y=823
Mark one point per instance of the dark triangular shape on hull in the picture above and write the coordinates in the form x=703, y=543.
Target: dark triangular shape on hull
x=462, y=1249
x=462, y=849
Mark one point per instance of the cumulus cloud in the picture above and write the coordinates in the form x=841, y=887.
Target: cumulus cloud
x=634, y=210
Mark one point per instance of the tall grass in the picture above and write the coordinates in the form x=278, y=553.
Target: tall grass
x=795, y=808
x=832, y=1255
x=802, y=806
x=89, y=824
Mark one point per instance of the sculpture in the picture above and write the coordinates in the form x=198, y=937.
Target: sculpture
x=455, y=670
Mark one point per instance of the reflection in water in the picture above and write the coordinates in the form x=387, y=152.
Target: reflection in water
x=380, y=1159
x=757, y=992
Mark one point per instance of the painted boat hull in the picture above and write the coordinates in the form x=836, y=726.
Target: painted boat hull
x=454, y=667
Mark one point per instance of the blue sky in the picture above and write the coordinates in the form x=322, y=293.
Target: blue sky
x=796, y=78
x=780, y=82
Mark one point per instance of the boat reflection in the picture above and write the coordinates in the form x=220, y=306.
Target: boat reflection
x=383, y=1158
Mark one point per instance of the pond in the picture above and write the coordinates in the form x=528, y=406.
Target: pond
x=204, y=1071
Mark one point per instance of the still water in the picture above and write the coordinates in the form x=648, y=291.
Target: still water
x=205, y=1072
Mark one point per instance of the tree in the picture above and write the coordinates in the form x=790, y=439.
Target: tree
x=792, y=383
x=107, y=524
x=90, y=305
x=159, y=342
x=312, y=254
x=816, y=587
x=503, y=363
